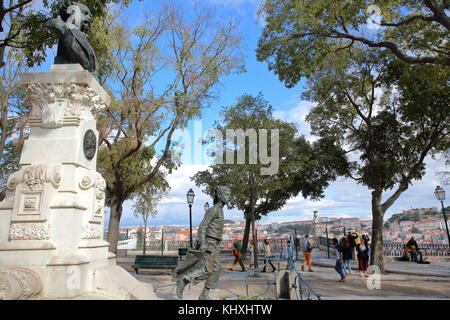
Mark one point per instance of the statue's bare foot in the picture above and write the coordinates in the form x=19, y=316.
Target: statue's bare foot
x=205, y=294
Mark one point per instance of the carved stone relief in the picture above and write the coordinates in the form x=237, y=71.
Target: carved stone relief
x=29, y=231
x=92, y=231
x=19, y=283
x=52, y=102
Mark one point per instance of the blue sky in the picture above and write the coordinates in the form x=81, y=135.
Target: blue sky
x=343, y=197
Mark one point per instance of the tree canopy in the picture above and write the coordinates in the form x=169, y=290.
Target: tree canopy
x=387, y=115
x=300, y=35
x=302, y=169
x=192, y=54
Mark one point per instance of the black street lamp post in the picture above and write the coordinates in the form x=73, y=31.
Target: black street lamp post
x=190, y=200
x=328, y=243
x=296, y=245
x=440, y=195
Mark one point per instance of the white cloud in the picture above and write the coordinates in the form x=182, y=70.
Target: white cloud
x=173, y=210
x=344, y=198
x=298, y=114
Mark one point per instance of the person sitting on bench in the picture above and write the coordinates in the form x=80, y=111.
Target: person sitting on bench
x=413, y=249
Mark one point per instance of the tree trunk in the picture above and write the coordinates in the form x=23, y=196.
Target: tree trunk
x=377, y=250
x=3, y=124
x=246, y=235
x=2, y=56
x=255, y=245
x=145, y=236
x=114, y=223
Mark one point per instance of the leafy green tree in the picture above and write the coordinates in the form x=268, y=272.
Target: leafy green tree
x=301, y=169
x=13, y=116
x=22, y=30
x=146, y=201
x=300, y=35
x=387, y=115
x=165, y=70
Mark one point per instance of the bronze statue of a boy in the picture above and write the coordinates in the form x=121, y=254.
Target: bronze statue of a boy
x=203, y=264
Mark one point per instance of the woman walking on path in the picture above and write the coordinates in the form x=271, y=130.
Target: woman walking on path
x=339, y=259
x=267, y=255
x=347, y=256
x=363, y=250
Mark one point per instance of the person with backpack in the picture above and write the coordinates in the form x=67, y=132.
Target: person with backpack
x=339, y=259
x=363, y=250
x=307, y=253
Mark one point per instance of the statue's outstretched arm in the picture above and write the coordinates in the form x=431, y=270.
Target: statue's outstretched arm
x=57, y=26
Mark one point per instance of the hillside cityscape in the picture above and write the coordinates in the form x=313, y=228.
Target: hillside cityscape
x=426, y=225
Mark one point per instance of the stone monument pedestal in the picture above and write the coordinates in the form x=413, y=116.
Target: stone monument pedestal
x=52, y=219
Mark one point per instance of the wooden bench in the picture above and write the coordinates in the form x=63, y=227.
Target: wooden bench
x=155, y=262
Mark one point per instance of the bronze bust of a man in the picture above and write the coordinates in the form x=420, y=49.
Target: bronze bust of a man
x=73, y=47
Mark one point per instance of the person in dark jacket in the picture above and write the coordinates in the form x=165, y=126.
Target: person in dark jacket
x=413, y=249
x=363, y=250
x=351, y=236
x=339, y=259
x=346, y=256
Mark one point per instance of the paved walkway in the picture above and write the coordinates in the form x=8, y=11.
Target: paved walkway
x=389, y=287
x=434, y=269
x=398, y=286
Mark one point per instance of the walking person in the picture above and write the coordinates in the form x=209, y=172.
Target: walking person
x=306, y=247
x=267, y=255
x=347, y=256
x=363, y=250
x=352, y=236
x=237, y=256
x=339, y=259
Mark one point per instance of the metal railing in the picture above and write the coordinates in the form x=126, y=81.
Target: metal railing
x=302, y=288
x=395, y=249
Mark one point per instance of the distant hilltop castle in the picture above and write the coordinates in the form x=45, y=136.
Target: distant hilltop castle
x=414, y=214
